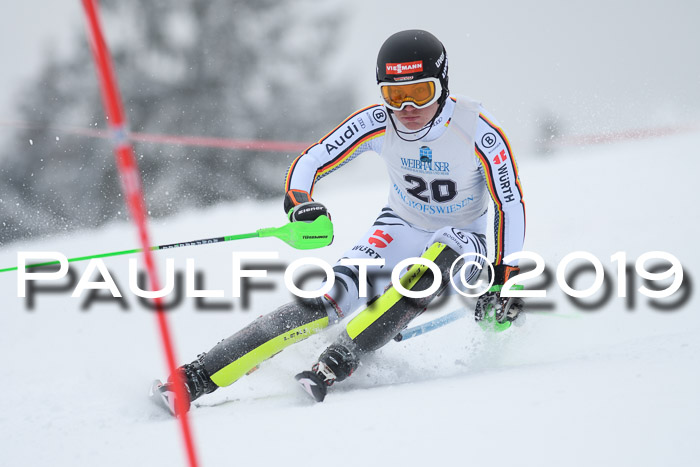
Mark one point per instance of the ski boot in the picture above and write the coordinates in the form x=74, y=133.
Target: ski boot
x=336, y=363
x=197, y=383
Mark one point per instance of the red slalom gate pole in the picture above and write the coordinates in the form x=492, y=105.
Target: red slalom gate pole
x=131, y=185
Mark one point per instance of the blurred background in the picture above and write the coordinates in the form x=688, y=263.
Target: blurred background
x=554, y=74
x=580, y=88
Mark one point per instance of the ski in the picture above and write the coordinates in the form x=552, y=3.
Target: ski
x=161, y=397
x=312, y=384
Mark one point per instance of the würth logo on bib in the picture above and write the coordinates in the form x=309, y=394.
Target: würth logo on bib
x=403, y=68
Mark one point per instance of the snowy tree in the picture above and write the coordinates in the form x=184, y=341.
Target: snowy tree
x=234, y=69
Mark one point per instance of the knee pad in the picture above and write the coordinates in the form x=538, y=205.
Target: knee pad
x=460, y=241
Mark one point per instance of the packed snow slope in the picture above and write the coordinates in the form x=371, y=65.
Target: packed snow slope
x=614, y=385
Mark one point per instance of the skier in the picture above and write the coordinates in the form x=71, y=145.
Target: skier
x=447, y=158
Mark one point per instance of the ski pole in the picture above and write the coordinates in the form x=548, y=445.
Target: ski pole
x=431, y=325
x=486, y=323
x=451, y=317
x=299, y=235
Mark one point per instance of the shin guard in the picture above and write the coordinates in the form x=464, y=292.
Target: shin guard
x=268, y=335
x=390, y=313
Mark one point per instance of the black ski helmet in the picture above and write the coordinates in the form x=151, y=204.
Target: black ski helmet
x=411, y=55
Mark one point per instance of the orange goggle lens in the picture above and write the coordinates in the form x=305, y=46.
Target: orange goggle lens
x=396, y=96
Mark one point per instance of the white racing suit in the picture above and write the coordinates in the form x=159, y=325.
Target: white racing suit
x=442, y=185
x=440, y=191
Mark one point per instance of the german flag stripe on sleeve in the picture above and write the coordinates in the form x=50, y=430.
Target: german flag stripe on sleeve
x=499, y=221
x=338, y=160
x=347, y=153
x=512, y=160
x=344, y=122
x=501, y=218
x=291, y=169
x=498, y=130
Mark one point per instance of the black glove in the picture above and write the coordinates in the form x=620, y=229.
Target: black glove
x=494, y=309
x=502, y=273
x=300, y=207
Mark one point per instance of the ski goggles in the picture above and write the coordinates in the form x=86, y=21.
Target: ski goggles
x=420, y=93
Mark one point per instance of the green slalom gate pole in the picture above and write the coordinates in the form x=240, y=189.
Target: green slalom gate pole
x=299, y=235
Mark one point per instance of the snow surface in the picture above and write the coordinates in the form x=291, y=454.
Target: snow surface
x=608, y=387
